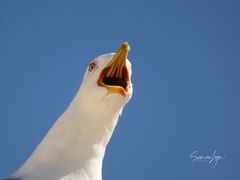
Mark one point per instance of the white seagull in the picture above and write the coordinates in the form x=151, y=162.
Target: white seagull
x=74, y=147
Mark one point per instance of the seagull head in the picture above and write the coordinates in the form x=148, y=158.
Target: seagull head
x=108, y=79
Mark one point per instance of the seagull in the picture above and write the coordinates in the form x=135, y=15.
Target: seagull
x=74, y=147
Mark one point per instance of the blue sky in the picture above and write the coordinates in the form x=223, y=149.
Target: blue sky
x=186, y=60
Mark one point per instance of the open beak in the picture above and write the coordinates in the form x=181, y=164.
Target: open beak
x=115, y=76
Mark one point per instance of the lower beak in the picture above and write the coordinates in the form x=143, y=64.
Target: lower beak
x=115, y=76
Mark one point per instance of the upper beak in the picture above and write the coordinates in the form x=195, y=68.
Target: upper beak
x=115, y=76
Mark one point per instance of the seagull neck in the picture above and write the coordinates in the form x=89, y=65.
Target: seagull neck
x=76, y=143
x=89, y=129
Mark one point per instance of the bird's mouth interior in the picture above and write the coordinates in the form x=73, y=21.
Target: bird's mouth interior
x=115, y=80
x=115, y=76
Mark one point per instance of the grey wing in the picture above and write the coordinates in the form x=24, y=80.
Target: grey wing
x=12, y=179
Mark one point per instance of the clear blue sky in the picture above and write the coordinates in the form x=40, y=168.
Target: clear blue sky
x=186, y=63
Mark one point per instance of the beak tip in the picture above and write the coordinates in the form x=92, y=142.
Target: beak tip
x=125, y=45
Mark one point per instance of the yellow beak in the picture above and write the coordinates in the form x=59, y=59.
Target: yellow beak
x=115, y=76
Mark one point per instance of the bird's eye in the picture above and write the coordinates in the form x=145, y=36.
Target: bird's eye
x=91, y=66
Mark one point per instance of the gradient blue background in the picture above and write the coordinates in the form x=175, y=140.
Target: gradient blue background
x=186, y=60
